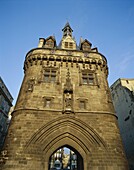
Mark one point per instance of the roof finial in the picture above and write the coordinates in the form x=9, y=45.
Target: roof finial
x=67, y=20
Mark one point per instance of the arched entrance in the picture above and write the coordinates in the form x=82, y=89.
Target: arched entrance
x=66, y=158
x=69, y=132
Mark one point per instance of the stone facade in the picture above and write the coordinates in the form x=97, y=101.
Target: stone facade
x=64, y=100
x=123, y=99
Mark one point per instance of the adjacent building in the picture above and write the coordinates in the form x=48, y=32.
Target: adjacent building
x=64, y=101
x=5, y=105
x=123, y=99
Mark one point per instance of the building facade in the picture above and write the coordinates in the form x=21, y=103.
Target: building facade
x=64, y=101
x=123, y=99
x=5, y=105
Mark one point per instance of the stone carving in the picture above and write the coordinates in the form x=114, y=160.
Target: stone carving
x=3, y=157
x=68, y=101
x=68, y=95
x=30, y=84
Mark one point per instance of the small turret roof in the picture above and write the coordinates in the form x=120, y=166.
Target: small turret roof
x=51, y=37
x=67, y=25
x=82, y=41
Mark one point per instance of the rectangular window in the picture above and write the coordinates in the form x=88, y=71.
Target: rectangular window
x=53, y=78
x=87, y=78
x=82, y=105
x=69, y=45
x=48, y=102
x=66, y=44
x=50, y=75
x=46, y=78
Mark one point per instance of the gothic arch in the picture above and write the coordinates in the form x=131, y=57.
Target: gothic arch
x=79, y=162
x=64, y=141
x=66, y=122
x=66, y=130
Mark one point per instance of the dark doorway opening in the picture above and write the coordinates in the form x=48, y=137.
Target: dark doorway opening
x=66, y=158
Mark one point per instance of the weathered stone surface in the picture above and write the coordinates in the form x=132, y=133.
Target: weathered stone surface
x=39, y=127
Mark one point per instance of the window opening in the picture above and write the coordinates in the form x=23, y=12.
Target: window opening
x=87, y=78
x=86, y=47
x=69, y=45
x=50, y=76
x=66, y=158
x=82, y=105
x=66, y=44
x=48, y=102
x=127, y=81
x=49, y=43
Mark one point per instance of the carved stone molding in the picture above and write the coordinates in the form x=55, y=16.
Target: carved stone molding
x=38, y=59
x=68, y=95
x=30, y=84
x=3, y=157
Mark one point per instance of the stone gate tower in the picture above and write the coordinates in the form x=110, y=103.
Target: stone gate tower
x=64, y=100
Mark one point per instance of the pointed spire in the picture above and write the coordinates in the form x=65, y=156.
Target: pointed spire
x=67, y=25
x=68, y=85
x=67, y=30
x=81, y=40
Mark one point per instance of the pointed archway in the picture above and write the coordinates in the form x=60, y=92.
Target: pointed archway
x=66, y=158
x=66, y=131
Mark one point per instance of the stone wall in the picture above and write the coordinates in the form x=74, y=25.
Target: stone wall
x=37, y=131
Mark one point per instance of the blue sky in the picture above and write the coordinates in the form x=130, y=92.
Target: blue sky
x=107, y=24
